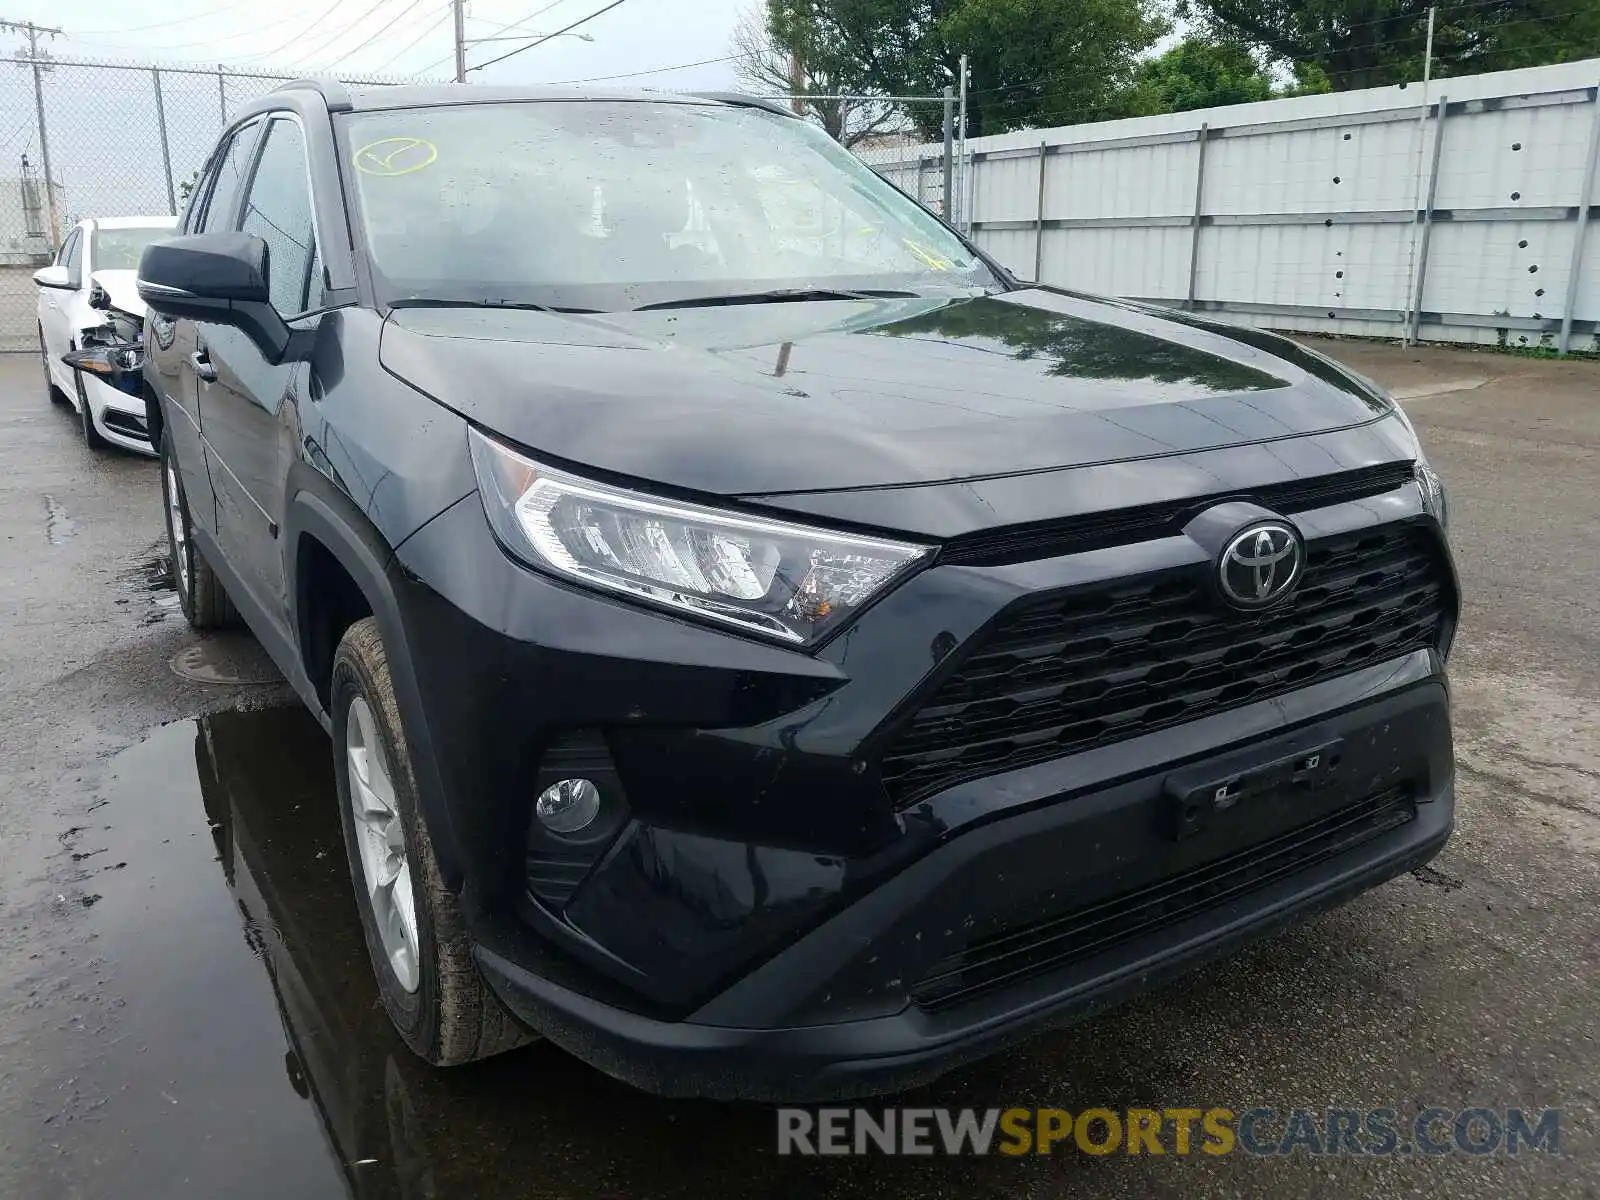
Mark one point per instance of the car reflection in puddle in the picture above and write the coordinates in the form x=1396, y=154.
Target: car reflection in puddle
x=204, y=1094
x=534, y=1122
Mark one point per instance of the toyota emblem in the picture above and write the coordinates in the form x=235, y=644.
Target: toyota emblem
x=1261, y=565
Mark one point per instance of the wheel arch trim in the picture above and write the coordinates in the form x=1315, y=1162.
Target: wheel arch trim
x=319, y=510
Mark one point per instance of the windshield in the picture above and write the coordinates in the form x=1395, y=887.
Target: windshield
x=614, y=205
x=119, y=249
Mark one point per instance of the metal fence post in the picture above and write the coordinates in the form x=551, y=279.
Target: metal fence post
x=949, y=150
x=44, y=153
x=222, y=95
x=1201, y=141
x=1585, y=199
x=166, y=149
x=1427, y=222
x=1038, y=217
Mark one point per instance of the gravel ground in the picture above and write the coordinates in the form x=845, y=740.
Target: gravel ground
x=185, y=1007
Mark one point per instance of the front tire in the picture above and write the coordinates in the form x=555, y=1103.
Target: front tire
x=416, y=933
x=201, y=596
x=91, y=435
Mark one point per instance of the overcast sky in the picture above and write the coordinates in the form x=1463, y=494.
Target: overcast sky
x=401, y=36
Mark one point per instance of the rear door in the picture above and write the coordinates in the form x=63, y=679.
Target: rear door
x=176, y=345
x=249, y=407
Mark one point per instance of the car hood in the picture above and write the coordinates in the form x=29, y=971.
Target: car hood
x=122, y=287
x=761, y=399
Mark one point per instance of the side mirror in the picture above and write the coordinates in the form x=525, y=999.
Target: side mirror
x=217, y=277
x=54, y=276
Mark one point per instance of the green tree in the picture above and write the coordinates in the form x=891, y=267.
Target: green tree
x=1032, y=62
x=1200, y=74
x=1370, y=43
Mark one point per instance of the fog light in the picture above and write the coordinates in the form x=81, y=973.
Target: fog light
x=568, y=806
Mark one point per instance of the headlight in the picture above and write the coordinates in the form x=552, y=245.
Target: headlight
x=1434, y=500
x=786, y=582
x=101, y=359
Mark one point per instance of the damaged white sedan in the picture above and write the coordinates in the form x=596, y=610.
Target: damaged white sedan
x=91, y=327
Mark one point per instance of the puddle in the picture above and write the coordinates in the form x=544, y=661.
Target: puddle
x=58, y=525
x=229, y=1040
x=225, y=660
x=147, y=584
x=213, y=1029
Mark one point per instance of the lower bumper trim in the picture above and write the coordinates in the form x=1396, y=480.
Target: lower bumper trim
x=887, y=1054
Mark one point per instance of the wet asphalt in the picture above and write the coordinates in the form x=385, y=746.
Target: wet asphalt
x=186, y=1007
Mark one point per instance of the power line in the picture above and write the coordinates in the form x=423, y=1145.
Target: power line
x=525, y=18
x=310, y=29
x=522, y=20
x=200, y=16
x=403, y=14
x=704, y=62
x=548, y=36
x=413, y=44
x=306, y=32
x=253, y=31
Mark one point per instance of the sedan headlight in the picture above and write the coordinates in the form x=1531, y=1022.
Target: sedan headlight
x=787, y=582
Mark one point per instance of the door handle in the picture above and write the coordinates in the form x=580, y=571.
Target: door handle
x=203, y=368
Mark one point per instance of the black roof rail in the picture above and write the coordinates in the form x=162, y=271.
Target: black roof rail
x=334, y=93
x=743, y=101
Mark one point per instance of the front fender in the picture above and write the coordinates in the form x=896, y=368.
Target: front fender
x=316, y=509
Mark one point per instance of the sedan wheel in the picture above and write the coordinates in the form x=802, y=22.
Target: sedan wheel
x=91, y=434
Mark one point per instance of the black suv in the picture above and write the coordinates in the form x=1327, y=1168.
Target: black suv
x=769, y=650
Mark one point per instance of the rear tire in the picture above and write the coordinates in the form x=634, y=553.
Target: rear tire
x=201, y=596
x=415, y=929
x=50, y=388
x=91, y=435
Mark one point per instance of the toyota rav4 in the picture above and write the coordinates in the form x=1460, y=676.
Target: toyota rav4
x=769, y=650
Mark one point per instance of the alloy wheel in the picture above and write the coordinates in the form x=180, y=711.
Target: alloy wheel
x=385, y=869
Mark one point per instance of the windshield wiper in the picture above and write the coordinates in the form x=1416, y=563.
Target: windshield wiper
x=781, y=296
x=431, y=302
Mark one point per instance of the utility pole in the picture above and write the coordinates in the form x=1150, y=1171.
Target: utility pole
x=458, y=9
x=36, y=59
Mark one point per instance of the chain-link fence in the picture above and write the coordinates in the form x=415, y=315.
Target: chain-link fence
x=113, y=139
x=909, y=140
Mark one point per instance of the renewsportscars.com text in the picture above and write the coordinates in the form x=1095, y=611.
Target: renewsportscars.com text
x=1260, y=1131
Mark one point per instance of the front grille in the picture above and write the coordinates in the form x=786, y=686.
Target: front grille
x=1067, y=671
x=1056, y=942
x=1146, y=522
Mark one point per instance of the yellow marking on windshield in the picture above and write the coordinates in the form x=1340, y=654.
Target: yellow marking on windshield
x=928, y=257
x=395, y=156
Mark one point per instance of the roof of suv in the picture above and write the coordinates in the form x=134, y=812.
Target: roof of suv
x=362, y=99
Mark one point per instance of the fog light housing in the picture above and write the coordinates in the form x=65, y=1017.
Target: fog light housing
x=576, y=808
x=568, y=806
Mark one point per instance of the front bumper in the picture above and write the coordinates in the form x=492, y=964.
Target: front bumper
x=120, y=417
x=877, y=1055
x=766, y=922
